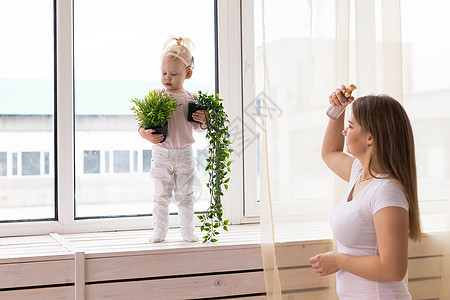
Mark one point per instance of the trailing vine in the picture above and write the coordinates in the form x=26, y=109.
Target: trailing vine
x=217, y=164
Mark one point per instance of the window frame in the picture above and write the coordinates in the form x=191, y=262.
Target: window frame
x=251, y=204
x=228, y=60
x=235, y=55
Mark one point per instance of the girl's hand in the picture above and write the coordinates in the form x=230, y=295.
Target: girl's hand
x=325, y=264
x=200, y=116
x=148, y=135
x=337, y=98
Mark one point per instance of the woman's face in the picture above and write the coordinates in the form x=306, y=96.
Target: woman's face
x=356, y=139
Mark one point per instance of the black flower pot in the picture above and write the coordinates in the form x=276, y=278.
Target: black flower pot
x=192, y=108
x=160, y=130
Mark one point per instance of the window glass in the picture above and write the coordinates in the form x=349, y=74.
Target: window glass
x=426, y=89
x=117, y=50
x=3, y=164
x=26, y=110
x=135, y=161
x=300, y=125
x=122, y=161
x=146, y=160
x=91, y=161
x=202, y=154
x=106, y=161
x=14, y=164
x=31, y=163
x=47, y=163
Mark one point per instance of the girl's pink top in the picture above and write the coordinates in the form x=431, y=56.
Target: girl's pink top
x=179, y=130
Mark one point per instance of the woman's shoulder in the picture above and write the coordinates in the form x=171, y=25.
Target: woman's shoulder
x=356, y=165
x=356, y=169
x=388, y=192
x=387, y=183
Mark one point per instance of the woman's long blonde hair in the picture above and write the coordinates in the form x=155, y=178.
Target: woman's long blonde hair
x=394, y=152
x=181, y=49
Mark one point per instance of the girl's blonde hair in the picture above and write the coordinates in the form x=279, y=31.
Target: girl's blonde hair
x=393, y=153
x=180, y=50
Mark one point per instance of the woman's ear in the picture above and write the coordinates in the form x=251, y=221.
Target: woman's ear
x=189, y=74
x=369, y=141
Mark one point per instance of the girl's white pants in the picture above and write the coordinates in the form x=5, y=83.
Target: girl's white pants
x=173, y=173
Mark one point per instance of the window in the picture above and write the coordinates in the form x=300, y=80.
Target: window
x=26, y=110
x=135, y=161
x=31, y=163
x=47, y=163
x=3, y=164
x=122, y=161
x=14, y=163
x=91, y=161
x=117, y=51
x=146, y=160
x=297, y=119
x=101, y=163
x=426, y=91
x=201, y=159
x=106, y=161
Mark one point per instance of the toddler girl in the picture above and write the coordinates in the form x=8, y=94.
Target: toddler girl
x=173, y=165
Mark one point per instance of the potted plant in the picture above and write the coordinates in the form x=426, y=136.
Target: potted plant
x=192, y=108
x=217, y=163
x=154, y=111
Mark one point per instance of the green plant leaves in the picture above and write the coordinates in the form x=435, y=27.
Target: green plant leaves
x=154, y=110
x=218, y=164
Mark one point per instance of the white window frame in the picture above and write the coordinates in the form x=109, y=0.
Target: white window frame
x=230, y=89
x=236, y=86
x=251, y=204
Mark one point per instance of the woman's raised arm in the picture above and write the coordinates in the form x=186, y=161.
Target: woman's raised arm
x=333, y=142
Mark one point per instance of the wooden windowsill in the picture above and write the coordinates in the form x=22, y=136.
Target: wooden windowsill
x=136, y=242
x=125, y=264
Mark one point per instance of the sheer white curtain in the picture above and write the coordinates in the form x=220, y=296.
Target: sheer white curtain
x=309, y=48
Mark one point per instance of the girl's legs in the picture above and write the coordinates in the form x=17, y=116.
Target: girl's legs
x=184, y=194
x=163, y=179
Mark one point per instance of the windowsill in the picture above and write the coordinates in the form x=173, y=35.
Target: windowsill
x=124, y=262
x=136, y=242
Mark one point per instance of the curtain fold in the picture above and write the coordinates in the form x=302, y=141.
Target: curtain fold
x=271, y=273
x=309, y=49
x=445, y=276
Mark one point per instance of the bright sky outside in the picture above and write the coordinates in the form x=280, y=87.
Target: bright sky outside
x=117, y=42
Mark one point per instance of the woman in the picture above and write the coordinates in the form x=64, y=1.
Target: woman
x=379, y=210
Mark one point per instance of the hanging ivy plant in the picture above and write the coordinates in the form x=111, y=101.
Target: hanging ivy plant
x=217, y=164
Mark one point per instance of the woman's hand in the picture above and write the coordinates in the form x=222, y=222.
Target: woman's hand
x=200, y=116
x=148, y=135
x=338, y=99
x=325, y=263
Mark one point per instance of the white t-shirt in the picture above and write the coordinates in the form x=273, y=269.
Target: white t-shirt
x=352, y=225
